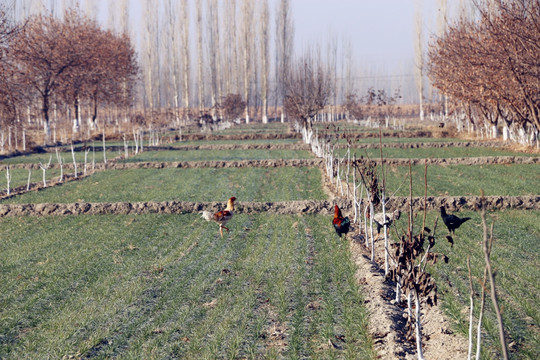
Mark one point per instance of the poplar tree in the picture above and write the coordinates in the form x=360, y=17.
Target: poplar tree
x=284, y=49
x=263, y=41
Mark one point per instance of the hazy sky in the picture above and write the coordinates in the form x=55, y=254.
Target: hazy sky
x=379, y=30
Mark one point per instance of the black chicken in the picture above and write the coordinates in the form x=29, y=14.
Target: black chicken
x=452, y=222
x=381, y=219
x=341, y=224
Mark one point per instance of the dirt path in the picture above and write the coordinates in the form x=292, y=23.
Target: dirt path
x=387, y=318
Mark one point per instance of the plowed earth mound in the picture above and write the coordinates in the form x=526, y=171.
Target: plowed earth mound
x=113, y=165
x=452, y=203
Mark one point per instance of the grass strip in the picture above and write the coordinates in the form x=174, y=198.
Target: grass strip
x=433, y=152
x=197, y=184
x=162, y=286
x=223, y=155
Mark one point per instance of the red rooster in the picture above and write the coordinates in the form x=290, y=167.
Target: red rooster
x=341, y=224
x=221, y=217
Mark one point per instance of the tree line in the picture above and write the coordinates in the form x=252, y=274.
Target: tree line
x=489, y=66
x=62, y=64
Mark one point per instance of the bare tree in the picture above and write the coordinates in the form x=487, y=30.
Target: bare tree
x=186, y=65
x=284, y=48
x=44, y=56
x=419, y=56
x=10, y=95
x=308, y=90
x=247, y=40
x=230, y=48
x=213, y=52
x=200, y=54
x=149, y=52
x=488, y=66
x=172, y=53
x=265, y=67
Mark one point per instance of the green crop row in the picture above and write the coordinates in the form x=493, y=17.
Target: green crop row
x=222, y=155
x=431, y=152
x=66, y=156
x=194, y=184
x=462, y=180
x=168, y=286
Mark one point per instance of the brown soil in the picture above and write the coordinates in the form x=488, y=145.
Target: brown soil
x=279, y=207
x=485, y=160
x=388, y=318
x=428, y=144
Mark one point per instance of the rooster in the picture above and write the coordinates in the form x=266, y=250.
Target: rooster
x=341, y=224
x=221, y=217
x=381, y=220
x=452, y=222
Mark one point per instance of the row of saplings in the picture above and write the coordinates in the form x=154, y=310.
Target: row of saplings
x=410, y=256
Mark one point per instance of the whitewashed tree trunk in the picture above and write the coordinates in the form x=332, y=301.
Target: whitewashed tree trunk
x=74, y=160
x=47, y=130
x=86, y=151
x=104, y=147
x=93, y=157
x=44, y=169
x=136, y=140
x=126, y=147
x=495, y=131
x=386, y=245
x=2, y=141
x=29, y=179
x=418, y=327
x=506, y=133
x=61, y=163
x=372, y=213
x=8, y=177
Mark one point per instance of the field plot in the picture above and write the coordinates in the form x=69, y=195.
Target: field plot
x=431, y=152
x=224, y=155
x=197, y=184
x=466, y=180
x=167, y=286
x=226, y=142
x=277, y=286
x=256, y=128
x=515, y=260
x=19, y=177
x=66, y=157
x=402, y=140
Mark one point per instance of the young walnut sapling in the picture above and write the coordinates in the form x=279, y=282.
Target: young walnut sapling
x=8, y=177
x=44, y=169
x=410, y=257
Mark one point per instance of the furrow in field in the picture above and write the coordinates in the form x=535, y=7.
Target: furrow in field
x=484, y=160
x=452, y=203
